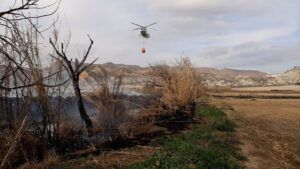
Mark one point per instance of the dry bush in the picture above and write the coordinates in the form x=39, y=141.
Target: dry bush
x=70, y=137
x=25, y=93
x=26, y=90
x=178, y=85
x=50, y=159
x=19, y=150
x=111, y=104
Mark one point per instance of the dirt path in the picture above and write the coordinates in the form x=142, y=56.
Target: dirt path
x=269, y=131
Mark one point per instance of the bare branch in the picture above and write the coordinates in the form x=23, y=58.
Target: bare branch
x=86, y=54
x=36, y=82
x=87, y=66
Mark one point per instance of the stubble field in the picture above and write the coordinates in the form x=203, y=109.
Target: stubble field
x=269, y=130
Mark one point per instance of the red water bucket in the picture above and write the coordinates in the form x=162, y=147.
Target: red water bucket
x=143, y=50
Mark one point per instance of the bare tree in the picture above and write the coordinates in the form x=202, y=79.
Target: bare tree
x=11, y=20
x=17, y=13
x=20, y=69
x=74, y=73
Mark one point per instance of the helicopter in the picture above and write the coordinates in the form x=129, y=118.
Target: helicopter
x=143, y=29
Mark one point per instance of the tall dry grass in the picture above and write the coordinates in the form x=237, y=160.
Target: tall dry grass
x=27, y=101
x=178, y=85
x=51, y=158
x=113, y=111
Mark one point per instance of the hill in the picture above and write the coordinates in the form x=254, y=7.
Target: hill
x=135, y=76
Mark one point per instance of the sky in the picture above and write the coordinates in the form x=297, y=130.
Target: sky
x=240, y=34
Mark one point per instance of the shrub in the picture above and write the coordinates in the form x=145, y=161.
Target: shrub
x=20, y=149
x=111, y=104
x=50, y=159
x=178, y=84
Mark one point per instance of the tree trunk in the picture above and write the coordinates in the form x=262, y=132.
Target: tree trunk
x=81, y=108
x=74, y=72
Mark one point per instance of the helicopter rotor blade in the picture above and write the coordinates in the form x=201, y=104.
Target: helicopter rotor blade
x=151, y=24
x=137, y=29
x=137, y=25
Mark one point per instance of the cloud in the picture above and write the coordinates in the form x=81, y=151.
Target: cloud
x=212, y=7
x=242, y=34
x=254, y=55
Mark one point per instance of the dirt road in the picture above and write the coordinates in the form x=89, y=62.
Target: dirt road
x=269, y=130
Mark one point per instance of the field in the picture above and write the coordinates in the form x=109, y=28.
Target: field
x=268, y=129
x=270, y=88
x=268, y=92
